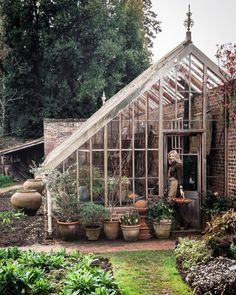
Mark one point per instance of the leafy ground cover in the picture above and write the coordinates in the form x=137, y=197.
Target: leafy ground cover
x=31, y=273
x=147, y=273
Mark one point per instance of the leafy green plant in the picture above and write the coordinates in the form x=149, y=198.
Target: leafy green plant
x=63, y=189
x=130, y=218
x=7, y=217
x=10, y=253
x=89, y=281
x=92, y=214
x=27, y=272
x=189, y=252
x=215, y=204
x=6, y=180
x=159, y=210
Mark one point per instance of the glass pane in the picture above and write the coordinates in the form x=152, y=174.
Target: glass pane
x=153, y=134
x=126, y=134
x=113, y=135
x=190, y=172
x=127, y=164
x=139, y=163
x=139, y=137
x=98, y=140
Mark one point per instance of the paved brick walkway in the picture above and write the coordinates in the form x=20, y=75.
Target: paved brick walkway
x=103, y=246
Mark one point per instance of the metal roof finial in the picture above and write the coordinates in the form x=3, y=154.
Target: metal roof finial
x=103, y=97
x=188, y=23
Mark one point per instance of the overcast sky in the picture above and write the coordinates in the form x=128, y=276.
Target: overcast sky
x=214, y=23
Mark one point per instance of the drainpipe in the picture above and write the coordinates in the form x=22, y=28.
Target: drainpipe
x=48, y=210
x=226, y=124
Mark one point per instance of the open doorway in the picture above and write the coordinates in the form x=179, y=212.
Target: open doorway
x=189, y=148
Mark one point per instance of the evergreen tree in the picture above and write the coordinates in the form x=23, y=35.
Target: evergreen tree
x=64, y=53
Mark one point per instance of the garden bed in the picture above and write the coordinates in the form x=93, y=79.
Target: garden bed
x=25, y=231
x=32, y=273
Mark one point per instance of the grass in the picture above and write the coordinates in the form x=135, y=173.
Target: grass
x=6, y=180
x=147, y=273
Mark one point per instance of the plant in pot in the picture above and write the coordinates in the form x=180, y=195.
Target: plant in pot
x=117, y=192
x=92, y=217
x=130, y=225
x=160, y=213
x=65, y=202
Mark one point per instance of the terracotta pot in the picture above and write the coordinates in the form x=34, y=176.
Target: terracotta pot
x=68, y=230
x=35, y=184
x=144, y=231
x=162, y=228
x=93, y=233
x=130, y=232
x=27, y=200
x=111, y=229
x=140, y=204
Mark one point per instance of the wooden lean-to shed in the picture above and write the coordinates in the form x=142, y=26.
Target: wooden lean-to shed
x=171, y=105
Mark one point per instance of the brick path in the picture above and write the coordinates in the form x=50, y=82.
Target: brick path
x=103, y=246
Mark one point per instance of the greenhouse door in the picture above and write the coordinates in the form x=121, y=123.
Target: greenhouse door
x=189, y=148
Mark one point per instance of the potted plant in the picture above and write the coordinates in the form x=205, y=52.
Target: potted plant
x=111, y=225
x=92, y=217
x=65, y=203
x=160, y=214
x=130, y=224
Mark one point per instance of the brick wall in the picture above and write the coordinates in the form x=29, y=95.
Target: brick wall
x=232, y=156
x=57, y=130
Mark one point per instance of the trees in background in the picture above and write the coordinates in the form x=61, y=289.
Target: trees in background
x=63, y=54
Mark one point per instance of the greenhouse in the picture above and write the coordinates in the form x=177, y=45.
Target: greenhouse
x=121, y=150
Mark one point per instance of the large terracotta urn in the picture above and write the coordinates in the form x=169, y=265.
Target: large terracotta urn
x=27, y=200
x=34, y=184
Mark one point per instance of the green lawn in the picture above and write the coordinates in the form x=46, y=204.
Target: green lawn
x=147, y=273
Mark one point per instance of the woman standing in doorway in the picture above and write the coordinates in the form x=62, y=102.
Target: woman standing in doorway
x=175, y=176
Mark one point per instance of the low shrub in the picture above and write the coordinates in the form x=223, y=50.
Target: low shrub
x=190, y=252
x=215, y=204
x=215, y=277
x=221, y=232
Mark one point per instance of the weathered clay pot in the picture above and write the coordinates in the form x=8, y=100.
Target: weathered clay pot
x=162, y=228
x=68, y=230
x=35, y=184
x=130, y=232
x=92, y=233
x=111, y=229
x=27, y=200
